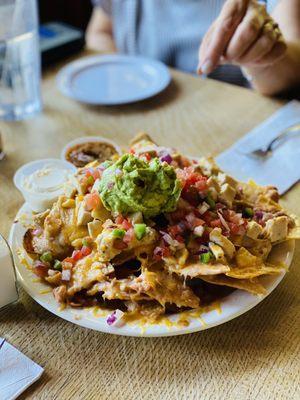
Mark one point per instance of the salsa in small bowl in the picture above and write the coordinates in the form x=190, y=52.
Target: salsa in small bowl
x=87, y=149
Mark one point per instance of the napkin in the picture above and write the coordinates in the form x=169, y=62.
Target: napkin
x=282, y=168
x=17, y=372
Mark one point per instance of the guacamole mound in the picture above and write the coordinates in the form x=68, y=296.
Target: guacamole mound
x=131, y=185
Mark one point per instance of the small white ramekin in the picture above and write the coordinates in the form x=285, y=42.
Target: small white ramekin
x=88, y=139
x=39, y=202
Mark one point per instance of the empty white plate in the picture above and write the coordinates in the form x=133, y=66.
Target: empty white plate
x=113, y=79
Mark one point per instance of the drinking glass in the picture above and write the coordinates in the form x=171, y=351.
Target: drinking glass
x=20, y=69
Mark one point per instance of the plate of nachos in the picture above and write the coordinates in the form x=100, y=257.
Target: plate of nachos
x=154, y=243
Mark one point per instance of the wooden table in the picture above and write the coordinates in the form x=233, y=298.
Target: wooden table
x=253, y=357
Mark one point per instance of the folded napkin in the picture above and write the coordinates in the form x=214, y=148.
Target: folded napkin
x=282, y=168
x=17, y=372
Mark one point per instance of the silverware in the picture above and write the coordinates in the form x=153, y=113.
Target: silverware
x=269, y=147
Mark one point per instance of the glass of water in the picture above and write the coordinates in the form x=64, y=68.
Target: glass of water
x=20, y=70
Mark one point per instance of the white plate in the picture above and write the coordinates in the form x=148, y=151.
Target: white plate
x=113, y=79
x=232, y=306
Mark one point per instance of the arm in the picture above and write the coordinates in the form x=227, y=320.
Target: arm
x=99, y=34
x=244, y=34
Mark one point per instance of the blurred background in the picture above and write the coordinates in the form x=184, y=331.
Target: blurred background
x=73, y=12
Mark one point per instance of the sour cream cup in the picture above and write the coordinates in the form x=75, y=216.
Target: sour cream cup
x=86, y=140
x=41, y=182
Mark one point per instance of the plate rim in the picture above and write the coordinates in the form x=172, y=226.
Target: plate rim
x=65, y=74
x=68, y=314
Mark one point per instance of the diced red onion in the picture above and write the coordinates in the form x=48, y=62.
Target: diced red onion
x=167, y=238
x=37, y=232
x=167, y=158
x=118, y=172
x=110, y=185
x=115, y=318
x=38, y=263
x=258, y=214
x=157, y=251
x=203, y=249
x=220, y=206
x=223, y=222
x=111, y=319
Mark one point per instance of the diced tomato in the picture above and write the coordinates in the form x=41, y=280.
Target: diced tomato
x=160, y=252
x=129, y=236
x=208, y=217
x=216, y=223
x=191, y=195
x=178, y=215
x=225, y=213
x=131, y=151
x=126, y=224
x=69, y=260
x=40, y=269
x=76, y=255
x=96, y=174
x=120, y=244
x=201, y=184
x=85, y=251
x=234, y=228
x=198, y=222
x=242, y=230
x=166, y=252
x=92, y=201
x=189, y=178
x=119, y=219
x=174, y=230
x=179, y=238
x=194, y=221
x=88, y=173
x=148, y=157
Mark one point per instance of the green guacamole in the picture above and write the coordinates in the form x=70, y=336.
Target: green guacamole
x=131, y=185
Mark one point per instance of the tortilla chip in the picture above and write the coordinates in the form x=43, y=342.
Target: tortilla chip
x=259, y=247
x=86, y=272
x=259, y=195
x=167, y=288
x=198, y=269
x=141, y=137
x=249, y=266
x=249, y=285
x=294, y=233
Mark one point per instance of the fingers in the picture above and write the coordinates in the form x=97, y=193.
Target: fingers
x=223, y=29
x=247, y=32
x=267, y=49
x=277, y=51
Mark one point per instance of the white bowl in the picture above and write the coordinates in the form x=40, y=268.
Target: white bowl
x=88, y=139
x=235, y=304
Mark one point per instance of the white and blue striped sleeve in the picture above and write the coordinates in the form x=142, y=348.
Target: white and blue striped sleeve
x=104, y=4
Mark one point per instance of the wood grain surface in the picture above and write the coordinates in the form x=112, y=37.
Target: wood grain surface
x=253, y=357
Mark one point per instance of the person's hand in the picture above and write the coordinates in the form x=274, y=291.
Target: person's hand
x=243, y=34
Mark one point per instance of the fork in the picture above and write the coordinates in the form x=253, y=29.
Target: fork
x=268, y=148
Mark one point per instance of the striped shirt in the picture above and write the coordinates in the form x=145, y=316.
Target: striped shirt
x=168, y=30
